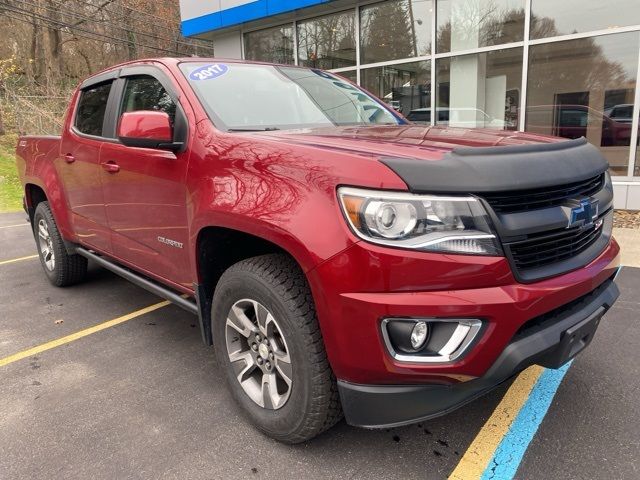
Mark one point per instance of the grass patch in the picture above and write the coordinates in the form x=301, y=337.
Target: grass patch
x=10, y=187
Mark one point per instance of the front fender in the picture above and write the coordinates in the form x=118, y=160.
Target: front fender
x=308, y=244
x=282, y=192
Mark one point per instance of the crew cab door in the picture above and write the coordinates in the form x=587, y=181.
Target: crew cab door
x=79, y=163
x=144, y=188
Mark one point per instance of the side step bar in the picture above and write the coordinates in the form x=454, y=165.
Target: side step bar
x=141, y=281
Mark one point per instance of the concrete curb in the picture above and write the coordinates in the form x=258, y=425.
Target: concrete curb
x=629, y=240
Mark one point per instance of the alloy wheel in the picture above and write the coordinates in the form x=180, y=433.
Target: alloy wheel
x=258, y=354
x=46, y=245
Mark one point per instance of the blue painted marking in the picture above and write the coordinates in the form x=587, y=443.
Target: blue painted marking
x=508, y=455
x=207, y=72
x=242, y=13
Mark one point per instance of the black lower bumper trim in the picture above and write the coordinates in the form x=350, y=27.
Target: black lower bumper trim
x=383, y=406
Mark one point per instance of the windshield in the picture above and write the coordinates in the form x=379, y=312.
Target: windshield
x=267, y=97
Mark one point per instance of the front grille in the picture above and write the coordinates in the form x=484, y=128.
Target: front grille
x=522, y=200
x=552, y=247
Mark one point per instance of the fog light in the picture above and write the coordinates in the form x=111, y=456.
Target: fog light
x=419, y=335
x=437, y=340
x=406, y=335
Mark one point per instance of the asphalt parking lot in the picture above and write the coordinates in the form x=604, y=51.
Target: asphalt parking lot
x=144, y=398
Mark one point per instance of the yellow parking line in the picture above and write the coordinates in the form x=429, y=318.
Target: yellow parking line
x=13, y=260
x=80, y=334
x=16, y=225
x=475, y=460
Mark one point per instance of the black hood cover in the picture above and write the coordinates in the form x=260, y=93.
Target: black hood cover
x=490, y=169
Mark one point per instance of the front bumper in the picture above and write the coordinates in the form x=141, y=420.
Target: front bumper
x=549, y=340
x=357, y=289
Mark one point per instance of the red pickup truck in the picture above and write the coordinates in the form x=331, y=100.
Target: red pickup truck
x=341, y=260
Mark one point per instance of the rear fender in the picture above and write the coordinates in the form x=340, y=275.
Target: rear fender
x=42, y=173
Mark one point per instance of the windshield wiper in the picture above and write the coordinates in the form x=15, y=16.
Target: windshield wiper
x=266, y=129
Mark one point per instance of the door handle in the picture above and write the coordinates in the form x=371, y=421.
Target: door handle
x=69, y=158
x=111, y=166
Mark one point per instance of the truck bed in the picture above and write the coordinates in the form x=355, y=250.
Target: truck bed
x=33, y=150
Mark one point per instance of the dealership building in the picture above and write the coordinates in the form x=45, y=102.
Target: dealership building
x=560, y=67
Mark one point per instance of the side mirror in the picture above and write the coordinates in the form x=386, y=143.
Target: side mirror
x=147, y=129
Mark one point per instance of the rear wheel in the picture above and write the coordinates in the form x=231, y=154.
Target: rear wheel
x=61, y=268
x=268, y=342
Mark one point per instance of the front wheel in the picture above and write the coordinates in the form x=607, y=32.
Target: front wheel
x=268, y=342
x=61, y=268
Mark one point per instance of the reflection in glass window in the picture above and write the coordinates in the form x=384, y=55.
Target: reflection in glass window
x=481, y=90
x=550, y=18
x=350, y=75
x=404, y=87
x=395, y=29
x=582, y=88
x=327, y=42
x=267, y=97
x=146, y=93
x=467, y=24
x=271, y=45
x=91, y=109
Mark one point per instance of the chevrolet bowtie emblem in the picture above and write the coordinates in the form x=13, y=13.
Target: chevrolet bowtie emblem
x=582, y=212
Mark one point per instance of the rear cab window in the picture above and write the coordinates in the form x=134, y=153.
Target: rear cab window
x=91, y=109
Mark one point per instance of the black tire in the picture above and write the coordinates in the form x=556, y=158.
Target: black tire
x=67, y=269
x=276, y=282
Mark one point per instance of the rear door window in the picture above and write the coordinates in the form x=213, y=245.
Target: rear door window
x=91, y=109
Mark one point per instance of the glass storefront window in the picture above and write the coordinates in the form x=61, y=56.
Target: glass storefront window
x=481, y=90
x=395, y=29
x=550, y=18
x=328, y=42
x=350, y=75
x=582, y=88
x=405, y=87
x=468, y=24
x=270, y=45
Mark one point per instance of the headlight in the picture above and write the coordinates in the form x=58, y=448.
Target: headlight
x=608, y=183
x=420, y=222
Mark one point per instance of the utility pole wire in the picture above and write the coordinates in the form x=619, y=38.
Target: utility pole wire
x=61, y=26
x=140, y=12
x=99, y=9
x=109, y=23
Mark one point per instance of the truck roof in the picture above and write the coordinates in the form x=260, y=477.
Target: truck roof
x=174, y=61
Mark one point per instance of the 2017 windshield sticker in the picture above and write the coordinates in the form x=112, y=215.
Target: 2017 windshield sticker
x=207, y=72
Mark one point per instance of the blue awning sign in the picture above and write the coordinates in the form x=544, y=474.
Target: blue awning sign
x=200, y=16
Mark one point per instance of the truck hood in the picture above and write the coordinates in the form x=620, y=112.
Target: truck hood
x=462, y=160
x=410, y=141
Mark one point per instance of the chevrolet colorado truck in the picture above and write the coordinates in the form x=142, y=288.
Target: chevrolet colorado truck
x=341, y=260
